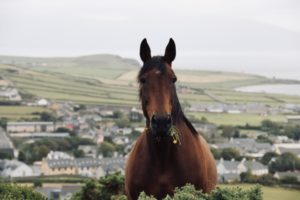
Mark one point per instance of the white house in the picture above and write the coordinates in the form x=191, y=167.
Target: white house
x=14, y=168
x=42, y=102
x=232, y=166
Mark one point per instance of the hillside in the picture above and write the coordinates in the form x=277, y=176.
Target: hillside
x=111, y=80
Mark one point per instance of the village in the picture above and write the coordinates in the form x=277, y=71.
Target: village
x=91, y=141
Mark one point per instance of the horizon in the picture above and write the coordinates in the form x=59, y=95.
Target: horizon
x=261, y=37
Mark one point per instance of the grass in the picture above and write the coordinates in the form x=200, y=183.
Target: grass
x=18, y=112
x=237, y=119
x=272, y=193
x=111, y=80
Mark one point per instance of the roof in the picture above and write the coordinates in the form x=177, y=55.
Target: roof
x=28, y=123
x=5, y=142
x=254, y=165
x=229, y=164
x=106, y=163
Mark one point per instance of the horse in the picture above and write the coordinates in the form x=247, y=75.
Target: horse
x=169, y=153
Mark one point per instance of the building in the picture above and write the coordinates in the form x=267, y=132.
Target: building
x=21, y=127
x=246, y=146
x=288, y=147
x=14, y=168
x=10, y=94
x=40, y=135
x=256, y=168
x=229, y=171
x=90, y=167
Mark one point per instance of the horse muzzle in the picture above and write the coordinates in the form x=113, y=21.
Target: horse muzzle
x=160, y=124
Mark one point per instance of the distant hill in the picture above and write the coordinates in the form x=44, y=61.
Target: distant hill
x=101, y=65
x=111, y=80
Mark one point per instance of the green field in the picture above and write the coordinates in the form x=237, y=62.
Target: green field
x=18, y=112
x=272, y=193
x=111, y=80
x=237, y=119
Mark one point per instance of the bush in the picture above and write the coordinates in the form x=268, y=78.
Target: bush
x=15, y=192
x=112, y=188
x=106, y=188
x=189, y=192
x=289, y=180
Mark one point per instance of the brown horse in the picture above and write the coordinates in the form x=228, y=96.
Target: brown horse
x=170, y=152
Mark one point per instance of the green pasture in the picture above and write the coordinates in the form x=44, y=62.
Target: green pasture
x=271, y=193
x=19, y=112
x=237, y=119
x=97, y=79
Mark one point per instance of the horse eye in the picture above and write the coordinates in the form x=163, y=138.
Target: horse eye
x=174, y=79
x=143, y=80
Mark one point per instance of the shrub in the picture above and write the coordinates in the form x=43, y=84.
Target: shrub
x=15, y=192
x=112, y=188
x=189, y=192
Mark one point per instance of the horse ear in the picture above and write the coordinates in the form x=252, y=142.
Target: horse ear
x=145, y=52
x=170, y=52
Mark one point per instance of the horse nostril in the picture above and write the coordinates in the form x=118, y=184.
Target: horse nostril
x=169, y=119
x=154, y=119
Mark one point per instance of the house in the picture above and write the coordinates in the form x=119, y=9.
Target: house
x=288, y=147
x=90, y=167
x=42, y=102
x=57, y=155
x=21, y=127
x=40, y=135
x=246, y=146
x=136, y=115
x=10, y=94
x=14, y=168
x=281, y=175
x=229, y=171
x=256, y=168
x=230, y=167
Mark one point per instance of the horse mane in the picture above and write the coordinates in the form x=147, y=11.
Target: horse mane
x=177, y=113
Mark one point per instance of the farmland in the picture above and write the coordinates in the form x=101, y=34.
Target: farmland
x=111, y=80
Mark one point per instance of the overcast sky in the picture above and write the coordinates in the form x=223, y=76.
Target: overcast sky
x=240, y=35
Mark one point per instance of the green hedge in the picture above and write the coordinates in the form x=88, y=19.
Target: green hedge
x=14, y=192
x=189, y=192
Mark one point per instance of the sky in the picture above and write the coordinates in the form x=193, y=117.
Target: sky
x=253, y=36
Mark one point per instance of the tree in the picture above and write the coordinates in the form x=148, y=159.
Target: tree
x=105, y=188
x=229, y=131
x=118, y=114
x=3, y=122
x=37, y=183
x=230, y=153
x=267, y=157
x=46, y=116
x=248, y=177
x=285, y=162
x=122, y=122
x=106, y=149
x=216, y=153
x=65, y=130
x=78, y=153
